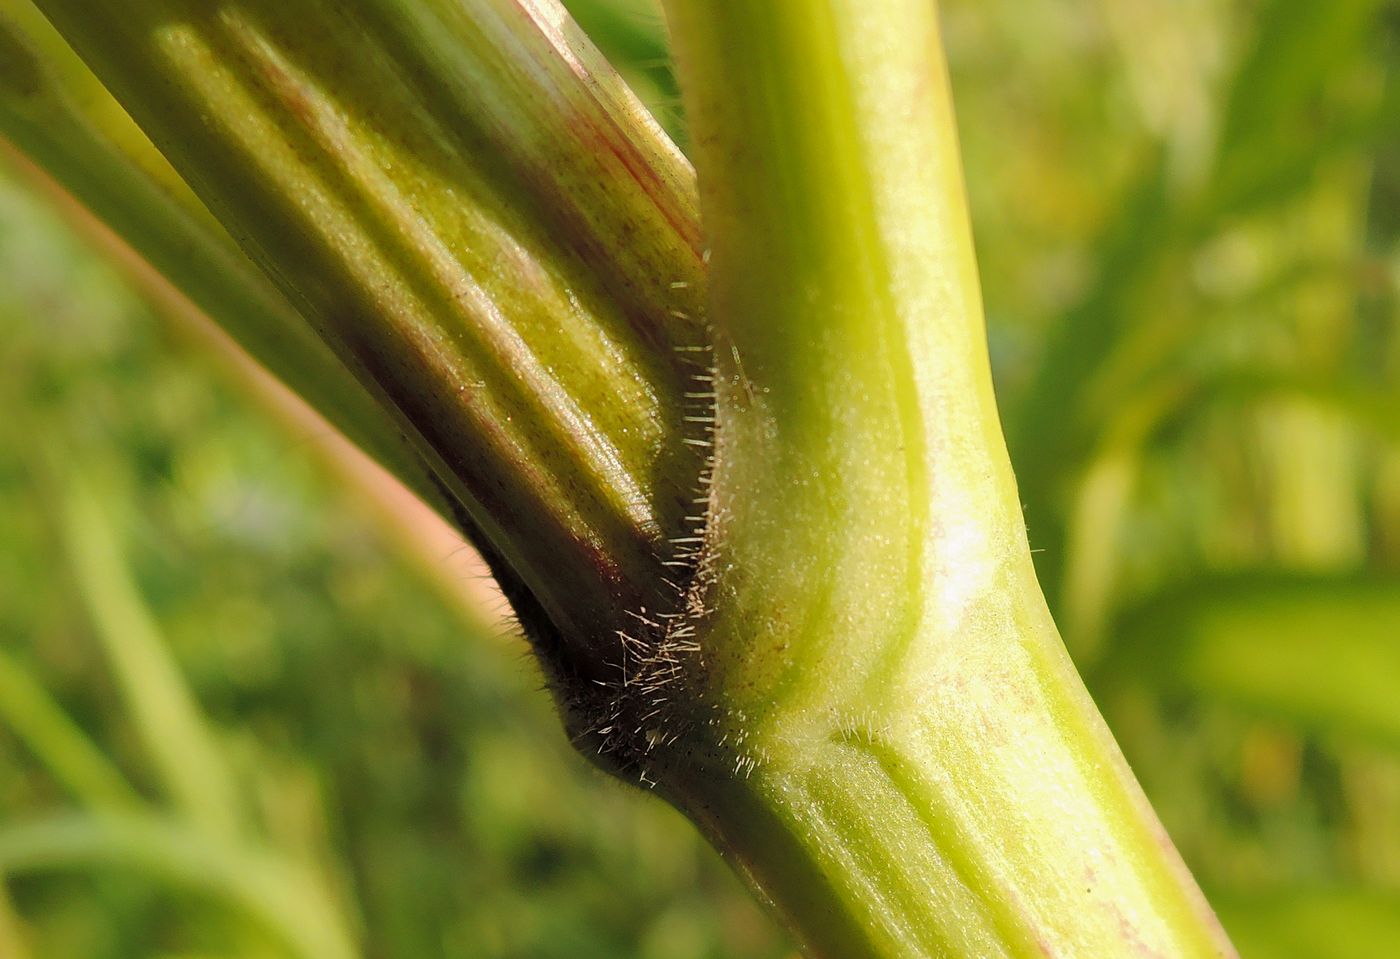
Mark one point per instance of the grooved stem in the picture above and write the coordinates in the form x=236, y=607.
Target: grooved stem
x=472, y=211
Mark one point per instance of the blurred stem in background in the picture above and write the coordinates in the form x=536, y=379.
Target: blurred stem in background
x=172, y=731
x=32, y=716
x=283, y=902
x=199, y=846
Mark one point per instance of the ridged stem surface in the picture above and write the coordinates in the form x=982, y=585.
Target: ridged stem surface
x=485, y=227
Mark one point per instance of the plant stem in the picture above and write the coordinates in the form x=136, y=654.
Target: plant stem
x=899, y=753
x=851, y=683
x=486, y=229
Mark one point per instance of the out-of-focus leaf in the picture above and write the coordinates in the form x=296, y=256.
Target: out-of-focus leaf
x=30, y=713
x=1270, y=117
x=1276, y=174
x=1127, y=253
x=168, y=720
x=1313, y=924
x=1322, y=653
x=289, y=904
x=1049, y=435
x=1370, y=409
x=1095, y=526
x=1298, y=46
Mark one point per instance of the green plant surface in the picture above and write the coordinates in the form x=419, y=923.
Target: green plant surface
x=1188, y=248
x=34, y=718
x=1134, y=327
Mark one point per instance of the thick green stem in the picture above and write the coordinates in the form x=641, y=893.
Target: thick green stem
x=899, y=752
x=485, y=227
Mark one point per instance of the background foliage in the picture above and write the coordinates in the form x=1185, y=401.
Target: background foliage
x=239, y=716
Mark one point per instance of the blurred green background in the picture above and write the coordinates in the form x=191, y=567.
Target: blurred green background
x=242, y=715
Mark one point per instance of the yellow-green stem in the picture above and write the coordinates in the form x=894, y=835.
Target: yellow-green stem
x=897, y=751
